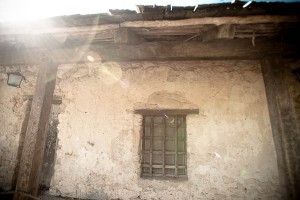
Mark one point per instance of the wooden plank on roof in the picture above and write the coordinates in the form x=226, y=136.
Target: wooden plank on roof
x=213, y=20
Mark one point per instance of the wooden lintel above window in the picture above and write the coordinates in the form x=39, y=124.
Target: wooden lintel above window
x=166, y=111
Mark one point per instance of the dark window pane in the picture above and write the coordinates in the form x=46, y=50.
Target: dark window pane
x=181, y=160
x=181, y=133
x=169, y=159
x=170, y=145
x=146, y=158
x=157, y=145
x=158, y=130
x=170, y=171
x=157, y=170
x=170, y=120
x=180, y=121
x=147, y=145
x=146, y=170
x=157, y=159
x=158, y=120
x=181, y=171
x=156, y=138
x=147, y=131
x=170, y=132
x=147, y=120
x=181, y=147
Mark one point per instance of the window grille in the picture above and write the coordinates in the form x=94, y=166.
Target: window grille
x=164, y=146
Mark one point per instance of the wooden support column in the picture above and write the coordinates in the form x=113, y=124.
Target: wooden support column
x=32, y=155
x=284, y=125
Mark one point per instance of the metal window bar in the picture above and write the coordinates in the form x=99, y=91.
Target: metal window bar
x=185, y=146
x=151, y=144
x=163, y=146
x=176, y=146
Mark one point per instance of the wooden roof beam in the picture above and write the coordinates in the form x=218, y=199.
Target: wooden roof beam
x=213, y=20
x=50, y=29
x=151, y=51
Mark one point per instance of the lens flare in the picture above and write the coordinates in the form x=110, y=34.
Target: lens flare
x=244, y=173
x=110, y=73
x=90, y=58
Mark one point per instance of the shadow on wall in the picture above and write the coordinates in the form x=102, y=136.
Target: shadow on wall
x=21, y=142
x=50, y=147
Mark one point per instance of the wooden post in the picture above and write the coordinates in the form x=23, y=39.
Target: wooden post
x=32, y=155
x=284, y=125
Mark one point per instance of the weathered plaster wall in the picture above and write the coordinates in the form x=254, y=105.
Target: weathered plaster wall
x=13, y=107
x=230, y=148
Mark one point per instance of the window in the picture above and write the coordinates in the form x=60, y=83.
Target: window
x=164, y=146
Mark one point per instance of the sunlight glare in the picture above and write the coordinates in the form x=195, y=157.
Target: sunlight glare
x=32, y=10
x=110, y=73
x=91, y=58
x=21, y=10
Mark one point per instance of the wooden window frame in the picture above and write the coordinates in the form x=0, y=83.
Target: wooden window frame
x=176, y=114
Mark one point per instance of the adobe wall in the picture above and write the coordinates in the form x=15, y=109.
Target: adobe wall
x=13, y=105
x=230, y=147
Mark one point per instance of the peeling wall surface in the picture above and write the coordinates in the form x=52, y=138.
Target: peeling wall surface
x=230, y=148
